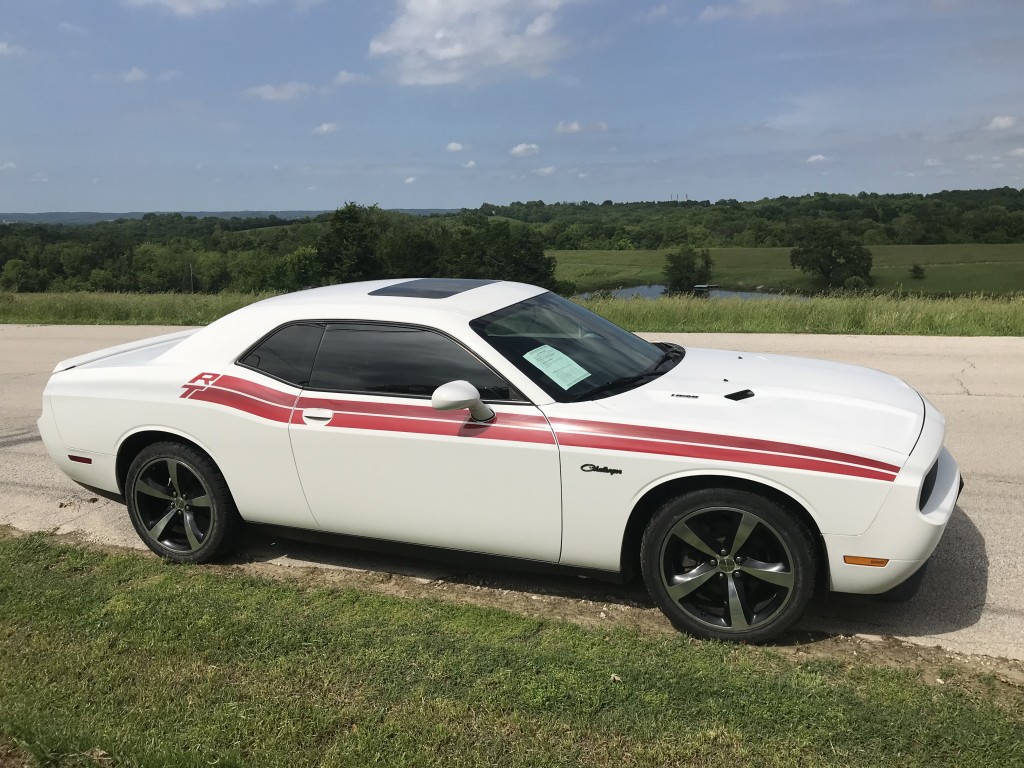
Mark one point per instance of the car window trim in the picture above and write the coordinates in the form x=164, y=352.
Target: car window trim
x=252, y=348
x=386, y=323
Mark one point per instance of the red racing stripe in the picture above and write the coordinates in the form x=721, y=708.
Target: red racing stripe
x=704, y=438
x=243, y=403
x=281, y=407
x=712, y=453
x=495, y=430
x=252, y=389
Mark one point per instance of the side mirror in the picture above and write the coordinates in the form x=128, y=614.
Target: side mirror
x=461, y=394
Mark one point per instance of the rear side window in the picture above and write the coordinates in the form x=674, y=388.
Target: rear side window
x=399, y=360
x=287, y=354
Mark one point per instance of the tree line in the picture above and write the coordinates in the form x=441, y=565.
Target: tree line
x=170, y=252
x=967, y=216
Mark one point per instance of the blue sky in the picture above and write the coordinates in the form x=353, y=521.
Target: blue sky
x=117, y=105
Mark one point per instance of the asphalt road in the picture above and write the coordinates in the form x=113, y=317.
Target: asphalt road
x=972, y=599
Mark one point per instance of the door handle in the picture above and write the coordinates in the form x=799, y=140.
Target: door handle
x=317, y=415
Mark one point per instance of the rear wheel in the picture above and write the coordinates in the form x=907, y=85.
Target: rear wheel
x=728, y=564
x=179, y=503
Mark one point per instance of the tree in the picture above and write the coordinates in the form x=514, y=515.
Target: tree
x=823, y=249
x=348, y=249
x=687, y=267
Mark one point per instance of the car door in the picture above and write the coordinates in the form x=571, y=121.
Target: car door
x=376, y=460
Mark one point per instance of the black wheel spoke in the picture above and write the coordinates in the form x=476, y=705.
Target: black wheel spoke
x=150, y=487
x=192, y=532
x=172, y=472
x=158, y=530
x=747, y=524
x=687, y=534
x=737, y=611
x=684, y=584
x=772, y=573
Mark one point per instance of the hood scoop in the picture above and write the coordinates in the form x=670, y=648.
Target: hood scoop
x=743, y=394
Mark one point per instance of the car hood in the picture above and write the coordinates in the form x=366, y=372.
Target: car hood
x=792, y=399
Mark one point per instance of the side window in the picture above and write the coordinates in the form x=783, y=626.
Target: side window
x=399, y=360
x=287, y=354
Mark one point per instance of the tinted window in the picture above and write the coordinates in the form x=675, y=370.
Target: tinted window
x=399, y=360
x=287, y=354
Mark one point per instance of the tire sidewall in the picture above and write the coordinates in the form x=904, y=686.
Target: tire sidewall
x=222, y=511
x=789, y=528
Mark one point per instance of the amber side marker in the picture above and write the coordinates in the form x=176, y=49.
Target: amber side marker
x=874, y=562
x=80, y=459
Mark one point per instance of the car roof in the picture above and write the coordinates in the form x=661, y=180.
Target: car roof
x=469, y=298
x=437, y=302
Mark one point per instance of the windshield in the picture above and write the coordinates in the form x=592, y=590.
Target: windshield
x=571, y=353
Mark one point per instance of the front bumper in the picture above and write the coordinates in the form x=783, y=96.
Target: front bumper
x=904, y=533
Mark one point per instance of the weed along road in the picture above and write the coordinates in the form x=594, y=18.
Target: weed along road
x=970, y=600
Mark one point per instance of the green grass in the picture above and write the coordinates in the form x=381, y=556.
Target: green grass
x=955, y=269
x=865, y=314
x=879, y=314
x=154, y=664
x=120, y=308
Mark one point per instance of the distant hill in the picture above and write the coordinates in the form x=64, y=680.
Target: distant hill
x=92, y=217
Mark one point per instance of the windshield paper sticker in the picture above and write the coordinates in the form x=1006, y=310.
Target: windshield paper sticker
x=558, y=367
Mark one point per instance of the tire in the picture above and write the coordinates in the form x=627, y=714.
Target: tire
x=698, y=558
x=179, y=503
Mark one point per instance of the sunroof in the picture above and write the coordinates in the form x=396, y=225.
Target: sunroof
x=430, y=288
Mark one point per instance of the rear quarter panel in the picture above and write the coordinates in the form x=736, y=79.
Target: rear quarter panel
x=94, y=410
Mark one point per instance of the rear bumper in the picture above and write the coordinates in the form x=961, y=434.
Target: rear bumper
x=904, y=532
x=94, y=470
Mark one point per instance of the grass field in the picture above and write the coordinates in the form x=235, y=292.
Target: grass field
x=867, y=314
x=949, y=269
x=119, y=659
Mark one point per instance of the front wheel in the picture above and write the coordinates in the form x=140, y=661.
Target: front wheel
x=179, y=503
x=728, y=564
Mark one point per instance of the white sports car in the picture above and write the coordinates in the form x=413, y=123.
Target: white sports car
x=500, y=419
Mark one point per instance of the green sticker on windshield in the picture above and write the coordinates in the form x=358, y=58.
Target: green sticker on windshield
x=558, y=367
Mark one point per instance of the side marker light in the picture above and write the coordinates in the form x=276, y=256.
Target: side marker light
x=874, y=562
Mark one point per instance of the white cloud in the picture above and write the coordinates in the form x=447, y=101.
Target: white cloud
x=283, y=92
x=1018, y=152
x=469, y=164
x=657, y=12
x=569, y=127
x=1001, y=123
x=134, y=75
x=73, y=28
x=457, y=41
x=8, y=166
x=325, y=128
x=813, y=159
x=410, y=180
x=454, y=146
x=545, y=171
x=582, y=175
x=9, y=49
x=932, y=162
x=974, y=158
x=40, y=178
x=191, y=7
x=345, y=77
x=167, y=75
x=524, y=150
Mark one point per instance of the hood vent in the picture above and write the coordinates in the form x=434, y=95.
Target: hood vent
x=743, y=394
